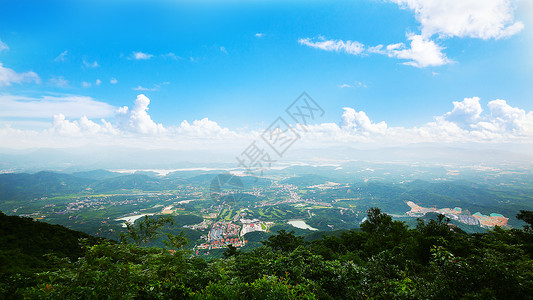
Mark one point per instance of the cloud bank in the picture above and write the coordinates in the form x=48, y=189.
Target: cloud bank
x=73, y=123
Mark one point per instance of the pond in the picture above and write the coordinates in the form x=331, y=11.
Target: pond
x=300, y=224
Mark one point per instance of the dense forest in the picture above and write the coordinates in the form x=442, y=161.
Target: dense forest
x=383, y=259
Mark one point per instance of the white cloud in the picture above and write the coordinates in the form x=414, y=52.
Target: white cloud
x=172, y=56
x=204, y=128
x=65, y=127
x=89, y=64
x=98, y=82
x=141, y=88
x=467, y=122
x=358, y=122
x=485, y=19
x=155, y=88
x=73, y=123
x=506, y=118
x=113, y=81
x=422, y=53
x=61, y=56
x=259, y=35
x=138, y=119
x=360, y=84
x=72, y=106
x=81, y=126
x=85, y=84
x=131, y=126
x=355, y=84
x=223, y=50
x=502, y=122
x=141, y=56
x=465, y=112
x=350, y=47
x=3, y=46
x=9, y=76
x=59, y=81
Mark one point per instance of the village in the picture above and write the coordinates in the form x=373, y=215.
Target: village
x=224, y=233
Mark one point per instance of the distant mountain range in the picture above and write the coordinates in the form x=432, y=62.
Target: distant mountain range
x=89, y=158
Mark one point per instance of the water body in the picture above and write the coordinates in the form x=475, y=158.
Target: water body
x=131, y=219
x=300, y=224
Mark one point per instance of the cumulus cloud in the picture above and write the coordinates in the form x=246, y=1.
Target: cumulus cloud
x=422, y=53
x=9, y=76
x=487, y=19
x=73, y=124
x=358, y=122
x=466, y=122
x=464, y=113
x=506, y=118
x=113, y=81
x=137, y=119
x=141, y=56
x=63, y=126
x=501, y=122
x=204, y=128
x=259, y=35
x=74, y=117
x=349, y=47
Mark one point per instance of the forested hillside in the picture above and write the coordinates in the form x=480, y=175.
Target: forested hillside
x=383, y=260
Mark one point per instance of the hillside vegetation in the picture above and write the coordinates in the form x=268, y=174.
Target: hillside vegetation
x=383, y=260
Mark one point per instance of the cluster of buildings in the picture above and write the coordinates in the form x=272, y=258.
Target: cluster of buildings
x=224, y=233
x=221, y=235
x=200, y=226
x=222, y=243
x=459, y=215
x=254, y=225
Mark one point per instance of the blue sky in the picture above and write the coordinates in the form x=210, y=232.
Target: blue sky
x=241, y=63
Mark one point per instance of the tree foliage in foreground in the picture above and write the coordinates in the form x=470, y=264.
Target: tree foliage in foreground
x=383, y=260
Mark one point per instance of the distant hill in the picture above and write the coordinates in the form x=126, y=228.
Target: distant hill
x=17, y=186
x=306, y=180
x=128, y=182
x=97, y=174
